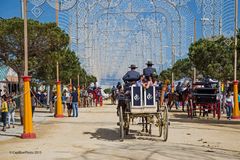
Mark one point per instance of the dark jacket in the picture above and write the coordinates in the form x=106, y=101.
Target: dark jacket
x=149, y=71
x=131, y=76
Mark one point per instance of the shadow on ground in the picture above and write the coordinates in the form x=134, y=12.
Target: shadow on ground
x=183, y=118
x=108, y=134
x=5, y=134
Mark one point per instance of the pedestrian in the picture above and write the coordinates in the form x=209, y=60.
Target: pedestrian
x=228, y=106
x=11, y=112
x=69, y=104
x=42, y=98
x=239, y=101
x=54, y=99
x=4, y=112
x=34, y=103
x=64, y=98
x=74, y=99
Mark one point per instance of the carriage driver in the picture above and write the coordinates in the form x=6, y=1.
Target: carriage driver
x=131, y=76
x=147, y=72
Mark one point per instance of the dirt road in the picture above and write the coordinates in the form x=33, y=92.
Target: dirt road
x=94, y=135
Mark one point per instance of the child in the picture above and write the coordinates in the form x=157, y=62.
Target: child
x=11, y=111
x=4, y=113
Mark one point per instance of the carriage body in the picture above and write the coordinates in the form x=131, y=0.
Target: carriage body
x=143, y=103
x=205, y=95
x=205, y=99
x=143, y=100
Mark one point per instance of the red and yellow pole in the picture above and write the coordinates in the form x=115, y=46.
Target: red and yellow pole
x=27, y=126
x=59, y=109
x=27, y=119
x=236, y=113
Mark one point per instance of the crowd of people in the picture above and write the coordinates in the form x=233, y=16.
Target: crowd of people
x=8, y=104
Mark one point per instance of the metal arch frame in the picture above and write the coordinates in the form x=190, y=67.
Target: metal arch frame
x=122, y=14
x=172, y=31
x=155, y=11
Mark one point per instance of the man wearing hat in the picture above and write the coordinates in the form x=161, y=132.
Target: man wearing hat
x=132, y=75
x=149, y=71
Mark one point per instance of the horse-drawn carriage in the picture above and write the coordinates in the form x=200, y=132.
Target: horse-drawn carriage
x=179, y=97
x=143, y=103
x=205, y=99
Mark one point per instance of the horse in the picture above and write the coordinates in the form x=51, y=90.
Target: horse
x=183, y=97
x=113, y=97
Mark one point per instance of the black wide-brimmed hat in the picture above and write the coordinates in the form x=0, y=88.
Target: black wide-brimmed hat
x=133, y=66
x=149, y=63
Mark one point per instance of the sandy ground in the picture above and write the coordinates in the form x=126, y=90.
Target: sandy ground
x=94, y=135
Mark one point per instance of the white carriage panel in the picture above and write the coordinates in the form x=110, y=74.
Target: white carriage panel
x=136, y=97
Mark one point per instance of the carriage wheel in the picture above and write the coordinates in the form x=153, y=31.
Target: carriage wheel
x=191, y=109
x=218, y=110
x=159, y=123
x=121, y=131
x=165, y=123
x=214, y=110
x=127, y=124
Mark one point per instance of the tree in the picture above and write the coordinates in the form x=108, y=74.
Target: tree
x=42, y=38
x=108, y=90
x=182, y=68
x=165, y=75
x=213, y=58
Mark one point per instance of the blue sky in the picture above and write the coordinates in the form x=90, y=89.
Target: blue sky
x=12, y=8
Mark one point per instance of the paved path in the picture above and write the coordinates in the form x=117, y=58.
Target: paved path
x=94, y=135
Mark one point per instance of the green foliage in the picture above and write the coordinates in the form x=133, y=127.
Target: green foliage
x=182, y=68
x=213, y=58
x=108, y=90
x=165, y=75
x=42, y=38
x=47, y=44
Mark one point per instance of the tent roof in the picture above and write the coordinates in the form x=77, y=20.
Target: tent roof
x=3, y=72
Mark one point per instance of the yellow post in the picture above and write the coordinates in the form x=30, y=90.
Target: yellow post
x=79, y=91
x=172, y=87
x=27, y=126
x=59, y=109
x=236, y=113
x=222, y=86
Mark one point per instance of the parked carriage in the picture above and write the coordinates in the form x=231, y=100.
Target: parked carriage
x=205, y=99
x=140, y=102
